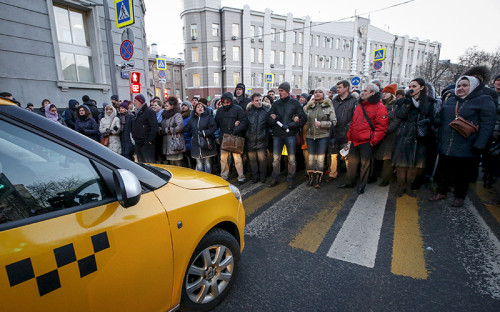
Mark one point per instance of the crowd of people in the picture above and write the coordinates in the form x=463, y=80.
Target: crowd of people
x=404, y=136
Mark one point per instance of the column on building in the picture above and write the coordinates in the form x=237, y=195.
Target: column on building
x=404, y=60
x=414, y=59
x=288, y=47
x=266, y=66
x=305, y=54
x=354, y=59
x=368, y=53
x=245, y=48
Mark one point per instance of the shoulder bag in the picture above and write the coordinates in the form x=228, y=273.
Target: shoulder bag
x=461, y=125
x=233, y=143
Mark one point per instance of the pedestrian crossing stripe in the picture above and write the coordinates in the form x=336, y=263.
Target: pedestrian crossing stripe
x=379, y=55
x=124, y=13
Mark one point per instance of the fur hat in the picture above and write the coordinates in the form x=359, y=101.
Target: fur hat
x=140, y=98
x=285, y=86
x=479, y=71
x=240, y=85
x=392, y=88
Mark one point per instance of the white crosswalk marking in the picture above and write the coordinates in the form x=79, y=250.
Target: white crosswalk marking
x=357, y=241
x=478, y=248
x=273, y=218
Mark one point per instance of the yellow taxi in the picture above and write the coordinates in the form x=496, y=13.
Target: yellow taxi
x=85, y=229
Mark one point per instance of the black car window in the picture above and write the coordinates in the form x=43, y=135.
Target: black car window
x=38, y=176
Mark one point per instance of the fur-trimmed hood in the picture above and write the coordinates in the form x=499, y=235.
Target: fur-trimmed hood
x=374, y=99
x=326, y=102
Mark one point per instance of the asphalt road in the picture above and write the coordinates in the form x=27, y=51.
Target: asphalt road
x=334, y=250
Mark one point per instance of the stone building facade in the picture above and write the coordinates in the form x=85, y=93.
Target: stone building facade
x=224, y=46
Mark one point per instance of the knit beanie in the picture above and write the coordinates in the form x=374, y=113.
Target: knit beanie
x=140, y=98
x=323, y=90
x=188, y=104
x=304, y=95
x=285, y=86
x=390, y=89
x=124, y=105
x=334, y=89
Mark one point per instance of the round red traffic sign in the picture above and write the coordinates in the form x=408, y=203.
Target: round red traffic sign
x=377, y=65
x=126, y=50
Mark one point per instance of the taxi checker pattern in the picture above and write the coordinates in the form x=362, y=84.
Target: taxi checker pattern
x=22, y=271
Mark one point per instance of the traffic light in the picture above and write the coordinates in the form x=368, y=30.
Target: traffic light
x=135, y=82
x=165, y=93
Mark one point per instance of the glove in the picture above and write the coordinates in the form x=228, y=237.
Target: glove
x=115, y=128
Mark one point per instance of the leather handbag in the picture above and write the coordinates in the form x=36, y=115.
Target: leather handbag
x=461, y=125
x=105, y=140
x=205, y=143
x=176, y=144
x=233, y=143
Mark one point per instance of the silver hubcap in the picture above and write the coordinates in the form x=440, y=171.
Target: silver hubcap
x=209, y=274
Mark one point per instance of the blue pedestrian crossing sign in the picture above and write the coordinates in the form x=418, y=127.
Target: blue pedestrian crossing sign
x=124, y=13
x=161, y=64
x=379, y=55
x=269, y=78
x=355, y=81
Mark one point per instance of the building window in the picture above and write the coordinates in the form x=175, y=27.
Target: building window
x=294, y=55
x=337, y=43
x=342, y=61
x=236, y=54
x=299, y=81
x=317, y=40
x=281, y=78
x=236, y=78
x=301, y=38
x=292, y=83
x=337, y=62
x=282, y=57
x=323, y=61
x=236, y=29
x=316, y=61
x=261, y=32
x=194, y=55
x=252, y=31
x=329, y=62
x=261, y=56
x=282, y=35
x=194, y=31
x=273, y=34
x=294, y=37
x=217, y=79
x=299, y=60
x=331, y=43
x=196, y=80
x=216, y=54
x=74, y=45
x=252, y=55
x=272, y=56
x=343, y=44
x=324, y=42
x=215, y=30
x=259, y=80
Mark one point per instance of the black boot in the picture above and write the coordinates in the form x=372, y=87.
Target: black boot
x=311, y=178
x=317, y=179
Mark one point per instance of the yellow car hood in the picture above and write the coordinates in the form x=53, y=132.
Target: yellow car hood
x=192, y=179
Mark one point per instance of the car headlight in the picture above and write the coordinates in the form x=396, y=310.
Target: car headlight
x=236, y=192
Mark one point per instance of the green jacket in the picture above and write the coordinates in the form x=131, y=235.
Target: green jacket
x=323, y=112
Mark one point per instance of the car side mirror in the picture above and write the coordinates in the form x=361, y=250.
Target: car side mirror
x=127, y=187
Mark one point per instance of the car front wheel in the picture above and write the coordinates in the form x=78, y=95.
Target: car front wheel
x=211, y=271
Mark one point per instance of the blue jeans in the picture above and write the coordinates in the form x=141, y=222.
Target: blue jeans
x=204, y=164
x=258, y=162
x=290, y=143
x=317, y=150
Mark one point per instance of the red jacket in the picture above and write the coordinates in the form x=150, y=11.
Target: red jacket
x=360, y=131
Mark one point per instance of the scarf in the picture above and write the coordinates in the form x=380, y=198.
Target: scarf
x=51, y=116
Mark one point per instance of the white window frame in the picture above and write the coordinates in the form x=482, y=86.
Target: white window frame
x=236, y=54
x=94, y=33
x=215, y=30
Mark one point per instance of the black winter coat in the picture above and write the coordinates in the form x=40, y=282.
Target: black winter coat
x=285, y=110
x=206, y=124
x=145, y=126
x=384, y=149
x=70, y=115
x=410, y=151
x=93, y=109
x=88, y=126
x=477, y=108
x=257, y=134
x=126, y=129
x=227, y=116
x=241, y=101
x=344, y=110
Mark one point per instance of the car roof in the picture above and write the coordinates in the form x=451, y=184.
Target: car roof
x=62, y=134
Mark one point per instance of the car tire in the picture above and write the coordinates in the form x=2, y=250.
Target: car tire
x=211, y=271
